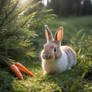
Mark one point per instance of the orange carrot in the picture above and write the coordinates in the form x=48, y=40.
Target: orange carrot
x=23, y=69
x=16, y=71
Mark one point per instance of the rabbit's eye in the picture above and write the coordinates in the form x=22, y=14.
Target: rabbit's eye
x=54, y=49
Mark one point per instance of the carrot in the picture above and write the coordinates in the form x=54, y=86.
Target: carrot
x=23, y=69
x=16, y=71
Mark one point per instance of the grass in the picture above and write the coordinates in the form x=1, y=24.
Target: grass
x=53, y=83
x=75, y=80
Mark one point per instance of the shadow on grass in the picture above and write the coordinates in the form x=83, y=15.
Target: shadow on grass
x=5, y=80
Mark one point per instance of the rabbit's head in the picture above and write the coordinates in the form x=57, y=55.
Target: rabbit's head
x=52, y=47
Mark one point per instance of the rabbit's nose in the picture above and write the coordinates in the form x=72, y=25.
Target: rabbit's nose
x=46, y=56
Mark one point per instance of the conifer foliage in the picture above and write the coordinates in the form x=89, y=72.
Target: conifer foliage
x=16, y=31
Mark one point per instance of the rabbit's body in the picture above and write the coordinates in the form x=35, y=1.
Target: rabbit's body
x=64, y=62
x=56, y=58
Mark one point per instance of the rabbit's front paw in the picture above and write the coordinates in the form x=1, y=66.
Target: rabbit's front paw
x=44, y=73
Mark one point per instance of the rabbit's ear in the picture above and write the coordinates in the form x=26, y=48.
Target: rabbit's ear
x=59, y=34
x=48, y=33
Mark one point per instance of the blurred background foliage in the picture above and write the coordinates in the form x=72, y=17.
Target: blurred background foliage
x=70, y=7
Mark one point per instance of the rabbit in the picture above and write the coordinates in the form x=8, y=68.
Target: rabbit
x=56, y=58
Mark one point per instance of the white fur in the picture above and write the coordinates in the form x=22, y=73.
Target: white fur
x=72, y=60
x=52, y=66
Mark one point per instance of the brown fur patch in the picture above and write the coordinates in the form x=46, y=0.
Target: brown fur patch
x=48, y=47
